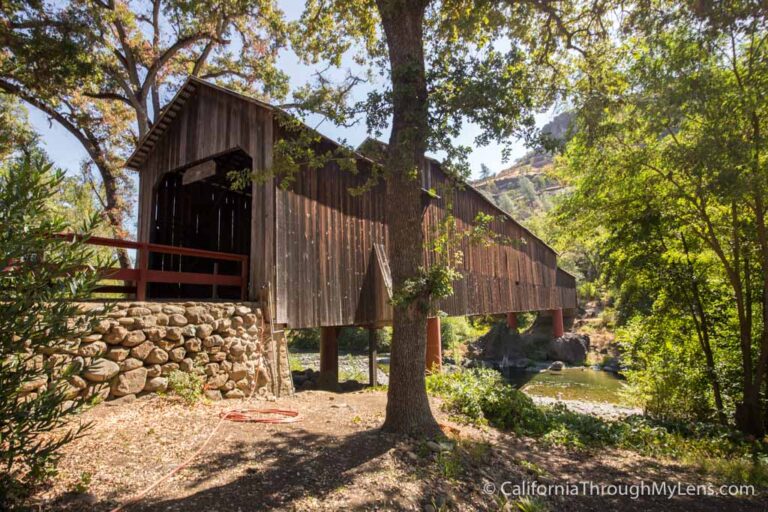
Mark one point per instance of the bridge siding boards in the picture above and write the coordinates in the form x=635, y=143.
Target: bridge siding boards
x=313, y=242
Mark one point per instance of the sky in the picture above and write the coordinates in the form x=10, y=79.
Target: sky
x=67, y=152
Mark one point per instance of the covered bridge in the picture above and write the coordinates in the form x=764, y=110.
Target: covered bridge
x=318, y=252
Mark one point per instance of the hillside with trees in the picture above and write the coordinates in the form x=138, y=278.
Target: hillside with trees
x=528, y=187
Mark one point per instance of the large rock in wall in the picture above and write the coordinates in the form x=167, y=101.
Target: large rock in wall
x=137, y=345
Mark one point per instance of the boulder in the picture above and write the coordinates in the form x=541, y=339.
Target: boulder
x=203, y=331
x=174, y=334
x=169, y=368
x=195, y=314
x=161, y=318
x=94, y=349
x=571, y=348
x=217, y=381
x=178, y=320
x=556, y=366
x=212, y=394
x=143, y=350
x=177, y=354
x=127, y=322
x=102, y=326
x=116, y=335
x=101, y=370
x=193, y=345
x=239, y=371
x=156, y=333
x=134, y=338
x=156, y=384
x=234, y=393
x=117, y=354
x=139, y=311
x=130, y=382
x=186, y=365
x=131, y=364
x=157, y=356
x=77, y=382
x=170, y=309
x=242, y=310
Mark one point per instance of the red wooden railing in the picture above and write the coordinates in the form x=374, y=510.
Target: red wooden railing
x=143, y=275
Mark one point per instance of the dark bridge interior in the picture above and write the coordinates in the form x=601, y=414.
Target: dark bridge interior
x=196, y=207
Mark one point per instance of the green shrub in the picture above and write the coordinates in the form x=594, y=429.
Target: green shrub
x=483, y=397
x=188, y=386
x=457, y=332
x=41, y=276
x=351, y=339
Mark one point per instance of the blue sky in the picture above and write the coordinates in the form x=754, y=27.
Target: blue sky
x=67, y=153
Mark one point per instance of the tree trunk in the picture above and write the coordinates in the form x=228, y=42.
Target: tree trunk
x=114, y=211
x=408, y=409
x=701, y=321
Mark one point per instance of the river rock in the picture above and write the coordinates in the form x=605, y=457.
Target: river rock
x=195, y=314
x=203, y=331
x=157, y=356
x=178, y=320
x=94, y=349
x=177, y=354
x=143, y=350
x=130, y=382
x=116, y=335
x=156, y=384
x=117, y=354
x=571, y=348
x=101, y=370
x=131, y=364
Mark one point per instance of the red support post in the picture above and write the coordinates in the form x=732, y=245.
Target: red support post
x=512, y=321
x=244, y=279
x=142, y=258
x=329, y=358
x=557, y=322
x=434, y=360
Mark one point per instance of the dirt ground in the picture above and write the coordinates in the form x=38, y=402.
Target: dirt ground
x=334, y=458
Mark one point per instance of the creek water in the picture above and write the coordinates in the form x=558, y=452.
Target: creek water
x=582, y=384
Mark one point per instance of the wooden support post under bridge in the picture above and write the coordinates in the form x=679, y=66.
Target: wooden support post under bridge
x=512, y=321
x=434, y=360
x=329, y=358
x=558, y=328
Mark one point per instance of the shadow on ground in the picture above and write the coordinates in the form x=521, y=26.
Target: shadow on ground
x=293, y=465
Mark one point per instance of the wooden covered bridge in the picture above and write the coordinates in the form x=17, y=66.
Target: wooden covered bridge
x=318, y=252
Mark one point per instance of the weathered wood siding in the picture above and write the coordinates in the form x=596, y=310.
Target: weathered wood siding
x=325, y=266
x=315, y=242
x=211, y=122
x=517, y=272
x=327, y=272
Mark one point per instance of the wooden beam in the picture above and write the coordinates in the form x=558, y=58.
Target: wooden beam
x=329, y=358
x=434, y=362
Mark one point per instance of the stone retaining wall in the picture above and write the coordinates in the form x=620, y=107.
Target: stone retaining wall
x=137, y=345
